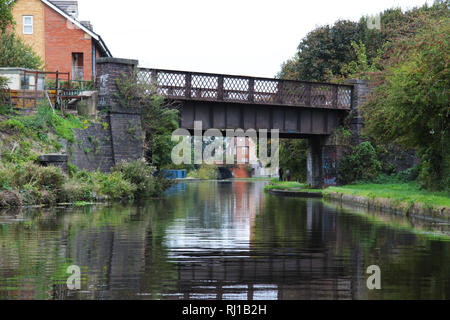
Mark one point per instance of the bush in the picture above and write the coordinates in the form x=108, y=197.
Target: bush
x=410, y=174
x=45, y=121
x=409, y=104
x=73, y=191
x=6, y=177
x=293, y=155
x=140, y=174
x=10, y=199
x=29, y=184
x=15, y=53
x=115, y=186
x=360, y=165
x=30, y=174
x=13, y=124
x=34, y=195
x=4, y=97
x=205, y=172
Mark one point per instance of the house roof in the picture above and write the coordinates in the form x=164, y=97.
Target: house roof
x=94, y=35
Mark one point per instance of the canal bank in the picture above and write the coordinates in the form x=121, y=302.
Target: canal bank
x=391, y=205
x=399, y=199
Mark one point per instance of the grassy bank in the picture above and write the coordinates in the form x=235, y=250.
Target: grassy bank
x=406, y=197
x=23, y=182
x=290, y=185
x=399, y=192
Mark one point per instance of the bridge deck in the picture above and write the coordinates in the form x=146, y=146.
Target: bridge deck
x=182, y=85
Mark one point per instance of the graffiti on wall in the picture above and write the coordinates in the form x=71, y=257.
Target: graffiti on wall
x=329, y=157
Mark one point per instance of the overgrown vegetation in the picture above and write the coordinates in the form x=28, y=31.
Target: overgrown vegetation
x=402, y=192
x=4, y=98
x=360, y=165
x=23, y=182
x=31, y=184
x=205, y=172
x=159, y=118
x=13, y=51
x=25, y=137
x=140, y=174
x=6, y=17
x=407, y=61
x=410, y=105
x=293, y=156
x=327, y=51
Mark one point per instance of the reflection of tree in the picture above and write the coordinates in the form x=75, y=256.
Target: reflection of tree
x=107, y=244
x=352, y=243
x=240, y=236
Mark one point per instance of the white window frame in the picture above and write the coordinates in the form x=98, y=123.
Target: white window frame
x=28, y=25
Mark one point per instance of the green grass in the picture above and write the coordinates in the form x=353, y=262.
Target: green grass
x=404, y=192
x=307, y=190
x=285, y=185
x=255, y=179
x=401, y=192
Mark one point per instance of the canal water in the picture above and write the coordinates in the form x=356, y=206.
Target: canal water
x=219, y=240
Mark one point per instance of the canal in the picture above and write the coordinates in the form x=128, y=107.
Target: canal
x=219, y=240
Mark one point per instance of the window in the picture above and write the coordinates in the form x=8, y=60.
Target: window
x=77, y=66
x=27, y=24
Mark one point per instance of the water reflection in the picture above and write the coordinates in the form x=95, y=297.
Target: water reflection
x=217, y=240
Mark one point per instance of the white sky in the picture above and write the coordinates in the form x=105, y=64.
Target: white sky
x=243, y=37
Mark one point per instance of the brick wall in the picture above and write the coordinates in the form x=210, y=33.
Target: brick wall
x=108, y=70
x=127, y=136
x=120, y=136
x=33, y=8
x=93, y=148
x=61, y=40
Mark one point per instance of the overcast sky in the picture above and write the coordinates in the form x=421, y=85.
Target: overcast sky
x=243, y=37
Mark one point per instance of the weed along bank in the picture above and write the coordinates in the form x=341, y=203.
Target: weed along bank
x=49, y=157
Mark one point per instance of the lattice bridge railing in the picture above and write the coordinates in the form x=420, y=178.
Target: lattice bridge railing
x=183, y=85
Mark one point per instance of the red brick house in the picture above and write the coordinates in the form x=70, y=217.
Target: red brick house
x=64, y=43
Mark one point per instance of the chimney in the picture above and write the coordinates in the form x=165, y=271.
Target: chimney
x=69, y=6
x=87, y=24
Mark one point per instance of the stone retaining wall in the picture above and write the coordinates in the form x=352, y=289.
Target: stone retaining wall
x=119, y=135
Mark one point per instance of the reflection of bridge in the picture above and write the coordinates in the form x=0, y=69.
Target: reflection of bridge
x=296, y=108
x=264, y=271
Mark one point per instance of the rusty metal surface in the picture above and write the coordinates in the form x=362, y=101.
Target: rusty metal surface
x=290, y=121
x=182, y=85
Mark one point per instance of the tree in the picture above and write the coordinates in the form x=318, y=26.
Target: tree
x=15, y=53
x=323, y=53
x=6, y=18
x=361, y=68
x=410, y=105
x=359, y=165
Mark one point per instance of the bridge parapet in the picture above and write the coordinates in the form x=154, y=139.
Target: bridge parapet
x=182, y=85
